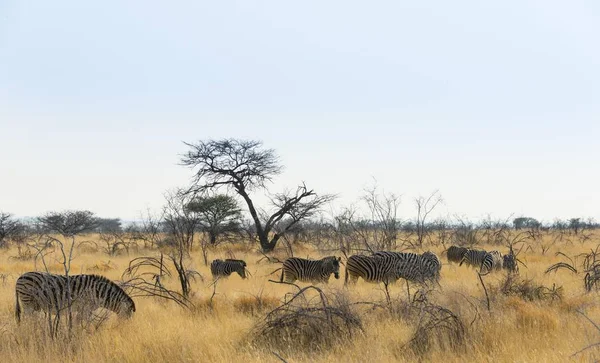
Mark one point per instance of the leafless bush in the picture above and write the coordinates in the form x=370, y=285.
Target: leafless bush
x=144, y=277
x=436, y=325
x=384, y=217
x=307, y=322
x=424, y=207
x=590, y=267
x=527, y=289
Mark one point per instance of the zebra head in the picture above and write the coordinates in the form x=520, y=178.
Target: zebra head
x=126, y=308
x=331, y=264
x=239, y=266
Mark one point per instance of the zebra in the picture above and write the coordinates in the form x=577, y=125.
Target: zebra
x=421, y=268
x=376, y=268
x=43, y=291
x=455, y=253
x=412, y=266
x=510, y=263
x=220, y=268
x=478, y=258
x=306, y=270
x=498, y=258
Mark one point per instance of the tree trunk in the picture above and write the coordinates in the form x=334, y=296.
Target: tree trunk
x=269, y=246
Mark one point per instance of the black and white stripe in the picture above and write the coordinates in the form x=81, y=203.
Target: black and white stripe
x=412, y=266
x=52, y=293
x=479, y=259
x=306, y=270
x=498, y=260
x=455, y=253
x=374, y=268
x=224, y=268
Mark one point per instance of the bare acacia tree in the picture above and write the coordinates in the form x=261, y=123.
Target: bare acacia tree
x=384, y=211
x=424, y=207
x=245, y=167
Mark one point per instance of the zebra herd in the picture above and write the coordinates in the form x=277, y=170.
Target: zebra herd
x=484, y=260
x=42, y=291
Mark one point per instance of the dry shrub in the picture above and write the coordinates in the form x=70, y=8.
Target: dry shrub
x=527, y=289
x=307, y=324
x=255, y=304
x=437, y=326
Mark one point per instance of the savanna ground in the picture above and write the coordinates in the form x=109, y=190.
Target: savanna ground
x=535, y=326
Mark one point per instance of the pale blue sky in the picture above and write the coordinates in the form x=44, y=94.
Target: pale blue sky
x=495, y=105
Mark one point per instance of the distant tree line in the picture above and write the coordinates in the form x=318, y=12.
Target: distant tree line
x=226, y=175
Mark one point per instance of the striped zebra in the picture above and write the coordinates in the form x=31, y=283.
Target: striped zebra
x=42, y=291
x=498, y=258
x=220, y=268
x=414, y=267
x=509, y=262
x=478, y=258
x=305, y=270
x=455, y=253
x=374, y=268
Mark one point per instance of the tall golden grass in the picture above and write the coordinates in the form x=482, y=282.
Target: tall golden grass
x=513, y=330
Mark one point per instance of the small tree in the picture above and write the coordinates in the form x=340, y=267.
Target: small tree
x=180, y=222
x=109, y=225
x=217, y=215
x=384, y=217
x=526, y=222
x=575, y=224
x=10, y=228
x=424, y=207
x=245, y=167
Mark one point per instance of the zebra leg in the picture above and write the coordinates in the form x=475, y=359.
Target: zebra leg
x=17, y=309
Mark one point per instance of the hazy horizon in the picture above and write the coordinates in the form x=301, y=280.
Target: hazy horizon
x=494, y=105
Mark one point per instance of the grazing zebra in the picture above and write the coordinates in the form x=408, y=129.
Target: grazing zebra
x=411, y=266
x=374, y=268
x=497, y=256
x=421, y=268
x=455, y=253
x=478, y=258
x=220, y=268
x=295, y=268
x=41, y=291
x=510, y=263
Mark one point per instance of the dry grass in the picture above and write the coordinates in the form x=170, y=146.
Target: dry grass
x=518, y=327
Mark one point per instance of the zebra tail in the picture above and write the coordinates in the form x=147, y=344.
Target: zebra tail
x=17, y=309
